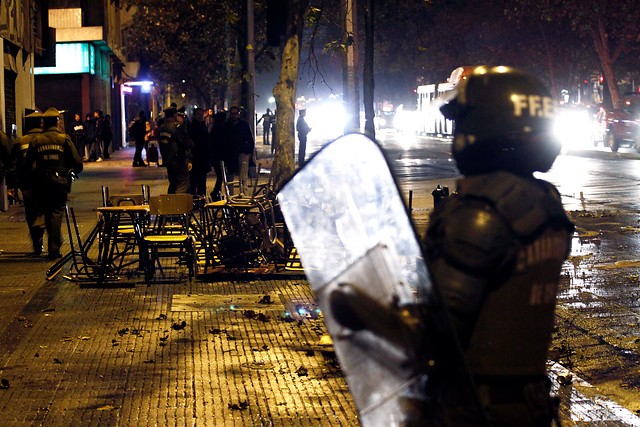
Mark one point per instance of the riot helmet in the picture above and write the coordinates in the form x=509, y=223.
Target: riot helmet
x=503, y=120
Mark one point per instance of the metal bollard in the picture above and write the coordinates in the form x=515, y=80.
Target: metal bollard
x=439, y=194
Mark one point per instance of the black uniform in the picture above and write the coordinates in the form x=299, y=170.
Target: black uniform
x=50, y=158
x=496, y=250
x=175, y=148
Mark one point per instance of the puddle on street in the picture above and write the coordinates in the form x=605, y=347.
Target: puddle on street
x=599, y=296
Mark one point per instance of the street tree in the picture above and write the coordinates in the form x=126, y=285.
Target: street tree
x=285, y=91
x=184, y=44
x=611, y=27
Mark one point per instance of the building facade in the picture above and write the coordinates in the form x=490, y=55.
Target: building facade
x=87, y=73
x=22, y=38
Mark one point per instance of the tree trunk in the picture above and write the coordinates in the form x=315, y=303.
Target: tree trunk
x=350, y=83
x=601, y=41
x=285, y=94
x=368, y=82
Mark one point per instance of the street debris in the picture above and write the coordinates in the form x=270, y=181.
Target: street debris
x=265, y=300
x=302, y=371
x=240, y=406
x=179, y=326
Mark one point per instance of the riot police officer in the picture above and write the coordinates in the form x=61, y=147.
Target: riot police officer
x=175, y=148
x=22, y=177
x=478, y=343
x=495, y=251
x=51, y=160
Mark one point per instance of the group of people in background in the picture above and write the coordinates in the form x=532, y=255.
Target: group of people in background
x=192, y=147
x=92, y=136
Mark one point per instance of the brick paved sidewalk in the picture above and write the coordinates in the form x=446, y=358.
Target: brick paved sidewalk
x=189, y=353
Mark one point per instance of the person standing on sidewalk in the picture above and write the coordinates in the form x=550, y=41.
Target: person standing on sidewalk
x=201, y=164
x=303, y=129
x=21, y=177
x=266, y=126
x=239, y=141
x=175, y=148
x=216, y=148
x=138, y=130
x=51, y=161
x=97, y=148
x=78, y=133
x=90, y=139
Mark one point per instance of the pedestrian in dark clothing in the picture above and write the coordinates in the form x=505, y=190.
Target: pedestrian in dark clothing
x=78, y=133
x=175, y=148
x=51, y=159
x=97, y=147
x=137, y=130
x=22, y=177
x=107, y=135
x=89, y=141
x=266, y=120
x=216, y=142
x=303, y=129
x=96, y=143
x=238, y=139
x=201, y=164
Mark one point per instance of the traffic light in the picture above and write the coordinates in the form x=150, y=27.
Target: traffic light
x=601, y=78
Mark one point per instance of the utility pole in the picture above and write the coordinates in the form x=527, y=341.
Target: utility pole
x=251, y=65
x=350, y=83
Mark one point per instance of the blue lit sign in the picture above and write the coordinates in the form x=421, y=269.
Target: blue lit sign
x=71, y=58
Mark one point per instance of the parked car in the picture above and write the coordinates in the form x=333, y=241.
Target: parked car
x=623, y=124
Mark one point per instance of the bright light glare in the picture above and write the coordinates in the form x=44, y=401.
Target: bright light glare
x=326, y=119
x=405, y=121
x=574, y=128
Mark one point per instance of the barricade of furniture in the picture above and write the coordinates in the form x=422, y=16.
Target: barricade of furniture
x=241, y=231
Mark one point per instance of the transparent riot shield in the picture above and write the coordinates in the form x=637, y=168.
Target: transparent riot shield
x=356, y=242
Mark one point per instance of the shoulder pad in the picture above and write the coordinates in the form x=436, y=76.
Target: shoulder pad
x=472, y=235
x=528, y=204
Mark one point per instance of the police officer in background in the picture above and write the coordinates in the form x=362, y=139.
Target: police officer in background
x=50, y=161
x=494, y=251
x=175, y=148
x=22, y=178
